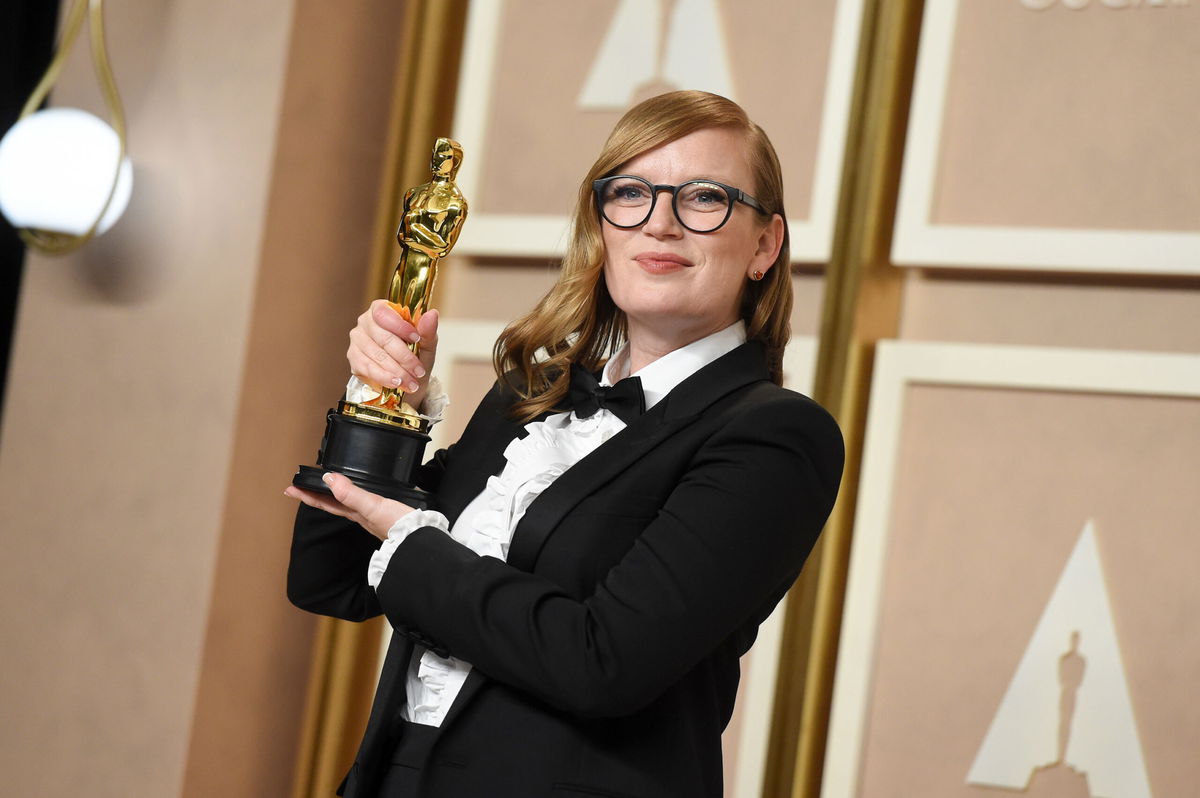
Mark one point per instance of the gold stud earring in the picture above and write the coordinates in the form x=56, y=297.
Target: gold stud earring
x=756, y=276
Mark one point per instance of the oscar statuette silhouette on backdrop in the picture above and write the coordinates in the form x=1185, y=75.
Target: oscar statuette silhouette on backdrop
x=378, y=442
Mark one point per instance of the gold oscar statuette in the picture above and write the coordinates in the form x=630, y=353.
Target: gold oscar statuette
x=379, y=441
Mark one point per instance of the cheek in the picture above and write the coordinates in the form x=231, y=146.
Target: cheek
x=733, y=264
x=727, y=284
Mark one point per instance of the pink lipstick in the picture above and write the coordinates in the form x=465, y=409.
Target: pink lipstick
x=661, y=262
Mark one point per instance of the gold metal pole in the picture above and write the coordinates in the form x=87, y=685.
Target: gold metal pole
x=861, y=306
x=346, y=655
x=344, y=663
x=423, y=110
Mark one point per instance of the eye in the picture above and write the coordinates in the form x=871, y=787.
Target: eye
x=702, y=196
x=627, y=192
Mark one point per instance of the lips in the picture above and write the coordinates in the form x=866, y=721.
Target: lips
x=661, y=262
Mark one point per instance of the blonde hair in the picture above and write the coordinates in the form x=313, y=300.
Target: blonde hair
x=577, y=320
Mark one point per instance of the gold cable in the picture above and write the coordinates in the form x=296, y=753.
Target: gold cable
x=55, y=243
x=70, y=31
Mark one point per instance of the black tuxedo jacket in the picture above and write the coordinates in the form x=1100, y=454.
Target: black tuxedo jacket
x=606, y=649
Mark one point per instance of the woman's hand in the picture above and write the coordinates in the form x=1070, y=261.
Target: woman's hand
x=373, y=513
x=379, y=353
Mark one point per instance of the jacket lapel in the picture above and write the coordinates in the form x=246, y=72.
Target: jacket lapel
x=743, y=365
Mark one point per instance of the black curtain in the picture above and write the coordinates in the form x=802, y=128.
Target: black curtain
x=26, y=42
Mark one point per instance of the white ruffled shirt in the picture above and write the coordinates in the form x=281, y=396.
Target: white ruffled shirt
x=532, y=464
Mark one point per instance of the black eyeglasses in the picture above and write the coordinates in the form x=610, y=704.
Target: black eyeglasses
x=701, y=206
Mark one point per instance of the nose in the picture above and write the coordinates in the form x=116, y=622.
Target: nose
x=662, y=222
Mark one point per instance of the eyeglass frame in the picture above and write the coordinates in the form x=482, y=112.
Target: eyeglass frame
x=656, y=188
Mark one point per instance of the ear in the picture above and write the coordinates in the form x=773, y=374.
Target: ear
x=770, y=240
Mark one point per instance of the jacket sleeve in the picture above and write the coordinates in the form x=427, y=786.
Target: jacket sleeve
x=429, y=476
x=327, y=572
x=732, y=535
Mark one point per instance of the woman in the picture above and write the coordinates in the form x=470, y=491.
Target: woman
x=570, y=623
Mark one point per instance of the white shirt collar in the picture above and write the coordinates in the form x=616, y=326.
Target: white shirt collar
x=661, y=376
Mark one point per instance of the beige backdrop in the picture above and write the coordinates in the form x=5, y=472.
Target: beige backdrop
x=993, y=488
x=165, y=381
x=117, y=424
x=1063, y=118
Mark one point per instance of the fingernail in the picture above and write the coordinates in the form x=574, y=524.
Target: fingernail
x=415, y=338
x=396, y=381
x=327, y=477
x=413, y=387
x=419, y=371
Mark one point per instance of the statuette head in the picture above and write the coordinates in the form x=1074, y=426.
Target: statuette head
x=447, y=157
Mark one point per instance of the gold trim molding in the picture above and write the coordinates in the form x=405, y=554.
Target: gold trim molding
x=861, y=306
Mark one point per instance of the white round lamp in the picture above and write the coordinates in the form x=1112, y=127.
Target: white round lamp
x=64, y=176
x=58, y=172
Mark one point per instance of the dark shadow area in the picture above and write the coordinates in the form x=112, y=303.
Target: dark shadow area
x=26, y=42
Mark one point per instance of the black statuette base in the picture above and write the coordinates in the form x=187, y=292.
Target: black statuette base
x=375, y=457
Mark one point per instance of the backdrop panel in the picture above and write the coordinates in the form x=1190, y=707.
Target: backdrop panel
x=1054, y=135
x=1022, y=581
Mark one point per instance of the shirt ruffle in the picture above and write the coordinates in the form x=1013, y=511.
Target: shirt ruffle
x=437, y=680
x=532, y=464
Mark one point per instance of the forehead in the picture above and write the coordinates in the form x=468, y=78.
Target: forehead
x=716, y=153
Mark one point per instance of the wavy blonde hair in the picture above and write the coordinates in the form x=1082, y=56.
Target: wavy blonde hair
x=577, y=320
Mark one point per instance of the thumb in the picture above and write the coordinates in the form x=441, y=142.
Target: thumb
x=348, y=494
x=427, y=327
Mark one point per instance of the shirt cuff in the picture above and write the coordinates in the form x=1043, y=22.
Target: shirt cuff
x=396, y=535
x=432, y=409
x=358, y=391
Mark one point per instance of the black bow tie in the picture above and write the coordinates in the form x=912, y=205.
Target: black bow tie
x=624, y=400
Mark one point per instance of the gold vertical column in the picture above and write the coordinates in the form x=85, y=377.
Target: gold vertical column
x=422, y=111
x=861, y=306
x=346, y=655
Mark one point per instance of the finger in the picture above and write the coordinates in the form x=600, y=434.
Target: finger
x=318, y=501
x=411, y=370
x=367, y=345
x=357, y=501
x=380, y=357
x=378, y=365
x=427, y=327
x=372, y=512
x=385, y=315
x=380, y=323
x=386, y=328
